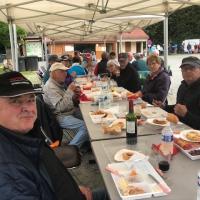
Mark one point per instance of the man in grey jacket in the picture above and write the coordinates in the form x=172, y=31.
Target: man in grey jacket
x=61, y=101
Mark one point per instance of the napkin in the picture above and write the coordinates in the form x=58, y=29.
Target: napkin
x=156, y=148
x=84, y=98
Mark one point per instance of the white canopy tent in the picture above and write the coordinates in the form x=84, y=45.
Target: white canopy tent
x=86, y=19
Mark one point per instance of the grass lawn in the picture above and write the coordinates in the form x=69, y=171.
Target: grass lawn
x=31, y=75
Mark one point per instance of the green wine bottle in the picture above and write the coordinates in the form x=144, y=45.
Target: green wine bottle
x=131, y=125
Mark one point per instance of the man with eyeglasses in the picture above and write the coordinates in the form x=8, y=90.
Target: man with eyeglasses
x=187, y=106
x=29, y=169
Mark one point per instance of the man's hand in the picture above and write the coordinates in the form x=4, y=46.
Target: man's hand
x=87, y=192
x=180, y=110
x=158, y=103
x=77, y=91
x=72, y=86
x=76, y=99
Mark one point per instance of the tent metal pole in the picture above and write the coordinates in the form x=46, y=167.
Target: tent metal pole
x=9, y=19
x=11, y=43
x=45, y=51
x=166, y=41
x=15, y=48
x=166, y=36
x=120, y=43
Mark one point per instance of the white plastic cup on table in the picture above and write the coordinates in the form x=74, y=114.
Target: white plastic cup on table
x=138, y=110
x=166, y=148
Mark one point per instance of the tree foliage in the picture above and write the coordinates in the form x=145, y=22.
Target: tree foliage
x=4, y=34
x=183, y=24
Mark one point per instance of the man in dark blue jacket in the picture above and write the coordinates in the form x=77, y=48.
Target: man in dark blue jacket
x=187, y=106
x=29, y=169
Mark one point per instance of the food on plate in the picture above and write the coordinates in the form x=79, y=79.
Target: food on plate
x=193, y=136
x=132, y=190
x=195, y=152
x=127, y=189
x=115, y=129
x=160, y=121
x=143, y=105
x=127, y=155
x=99, y=112
x=172, y=118
x=95, y=89
x=133, y=173
x=116, y=94
x=186, y=145
x=87, y=87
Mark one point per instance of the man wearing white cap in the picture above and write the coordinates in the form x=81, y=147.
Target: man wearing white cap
x=62, y=101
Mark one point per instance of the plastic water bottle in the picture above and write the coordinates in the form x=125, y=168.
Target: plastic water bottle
x=198, y=185
x=167, y=142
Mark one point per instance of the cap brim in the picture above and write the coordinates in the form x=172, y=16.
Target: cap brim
x=23, y=92
x=192, y=64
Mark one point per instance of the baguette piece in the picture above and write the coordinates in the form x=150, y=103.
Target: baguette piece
x=172, y=118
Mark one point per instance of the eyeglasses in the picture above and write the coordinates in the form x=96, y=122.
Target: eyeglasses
x=186, y=68
x=19, y=101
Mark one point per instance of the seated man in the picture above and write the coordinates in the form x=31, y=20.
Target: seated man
x=29, y=169
x=128, y=77
x=188, y=96
x=61, y=101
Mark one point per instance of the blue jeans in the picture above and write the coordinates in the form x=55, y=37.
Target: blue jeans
x=73, y=123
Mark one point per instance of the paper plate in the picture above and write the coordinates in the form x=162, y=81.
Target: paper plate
x=184, y=134
x=136, y=155
x=153, y=112
x=151, y=122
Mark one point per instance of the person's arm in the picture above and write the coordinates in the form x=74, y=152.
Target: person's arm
x=59, y=102
x=187, y=116
x=96, y=70
x=18, y=183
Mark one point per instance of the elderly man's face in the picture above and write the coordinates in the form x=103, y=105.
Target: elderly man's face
x=190, y=74
x=123, y=62
x=18, y=113
x=59, y=76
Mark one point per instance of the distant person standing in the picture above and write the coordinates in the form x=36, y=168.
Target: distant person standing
x=101, y=67
x=112, y=55
x=51, y=60
x=189, y=48
x=139, y=63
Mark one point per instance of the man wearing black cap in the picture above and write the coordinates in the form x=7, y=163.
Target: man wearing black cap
x=29, y=169
x=188, y=96
x=128, y=78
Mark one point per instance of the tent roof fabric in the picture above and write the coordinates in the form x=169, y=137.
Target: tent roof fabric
x=86, y=19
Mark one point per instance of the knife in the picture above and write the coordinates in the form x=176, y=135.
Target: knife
x=161, y=185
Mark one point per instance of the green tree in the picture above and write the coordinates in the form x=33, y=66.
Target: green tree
x=183, y=24
x=4, y=34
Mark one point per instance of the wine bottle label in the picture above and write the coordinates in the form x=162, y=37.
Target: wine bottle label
x=130, y=126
